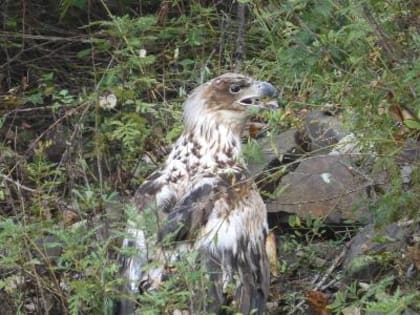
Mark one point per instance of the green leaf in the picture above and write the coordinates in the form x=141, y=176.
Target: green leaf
x=412, y=124
x=65, y=5
x=294, y=221
x=36, y=98
x=84, y=53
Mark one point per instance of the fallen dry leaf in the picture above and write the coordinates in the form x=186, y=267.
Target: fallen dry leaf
x=318, y=302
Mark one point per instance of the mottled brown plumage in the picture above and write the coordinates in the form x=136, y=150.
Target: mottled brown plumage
x=203, y=194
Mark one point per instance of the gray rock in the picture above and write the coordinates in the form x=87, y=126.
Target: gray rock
x=323, y=130
x=405, y=172
x=410, y=153
x=409, y=311
x=273, y=147
x=408, y=162
x=363, y=260
x=323, y=186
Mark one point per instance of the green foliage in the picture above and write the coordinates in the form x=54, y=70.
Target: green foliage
x=11, y=233
x=252, y=151
x=374, y=297
x=330, y=51
x=130, y=129
x=311, y=227
x=413, y=124
x=183, y=286
x=391, y=304
x=394, y=205
x=362, y=57
x=65, y=5
x=46, y=177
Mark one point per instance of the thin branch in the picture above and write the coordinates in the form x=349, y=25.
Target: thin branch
x=384, y=41
x=240, y=46
x=77, y=39
x=52, y=126
x=224, y=25
x=10, y=60
x=337, y=262
x=348, y=192
x=30, y=109
x=17, y=184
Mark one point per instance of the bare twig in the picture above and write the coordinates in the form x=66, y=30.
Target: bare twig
x=344, y=193
x=69, y=144
x=30, y=109
x=224, y=25
x=337, y=261
x=77, y=39
x=16, y=56
x=384, y=41
x=52, y=126
x=240, y=46
x=369, y=180
x=17, y=184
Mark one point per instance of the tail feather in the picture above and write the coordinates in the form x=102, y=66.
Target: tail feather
x=132, y=270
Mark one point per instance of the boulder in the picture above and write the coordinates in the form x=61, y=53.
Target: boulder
x=372, y=248
x=322, y=130
x=324, y=186
x=273, y=147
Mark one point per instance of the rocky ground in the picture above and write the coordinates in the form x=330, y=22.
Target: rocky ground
x=320, y=190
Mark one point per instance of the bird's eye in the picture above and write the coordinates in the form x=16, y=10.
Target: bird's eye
x=234, y=88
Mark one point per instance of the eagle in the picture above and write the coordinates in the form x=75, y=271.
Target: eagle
x=204, y=195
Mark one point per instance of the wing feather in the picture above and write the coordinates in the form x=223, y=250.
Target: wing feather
x=146, y=194
x=192, y=211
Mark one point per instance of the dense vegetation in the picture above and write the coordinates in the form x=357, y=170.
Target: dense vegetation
x=70, y=157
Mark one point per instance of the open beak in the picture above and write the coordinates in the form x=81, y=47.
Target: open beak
x=262, y=96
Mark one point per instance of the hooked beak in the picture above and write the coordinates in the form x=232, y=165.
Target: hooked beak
x=262, y=96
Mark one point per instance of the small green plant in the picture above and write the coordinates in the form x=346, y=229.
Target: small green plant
x=311, y=227
x=185, y=287
x=47, y=178
x=65, y=5
x=374, y=297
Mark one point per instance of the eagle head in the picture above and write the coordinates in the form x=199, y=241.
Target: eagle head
x=229, y=99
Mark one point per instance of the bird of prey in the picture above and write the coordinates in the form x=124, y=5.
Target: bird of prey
x=204, y=195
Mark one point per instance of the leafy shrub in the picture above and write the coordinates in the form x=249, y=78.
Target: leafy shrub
x=64, y=158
